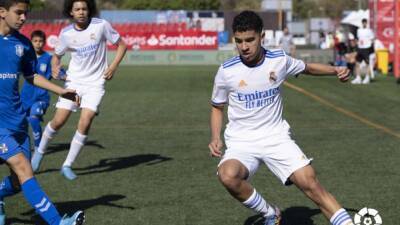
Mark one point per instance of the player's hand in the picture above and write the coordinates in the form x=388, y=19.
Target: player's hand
x=215, y=148
x=109, y=73
x=71, y=95
x=343, y=73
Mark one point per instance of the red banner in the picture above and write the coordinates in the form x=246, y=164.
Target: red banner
x=397, y=42
x=382, y=14
x=187, y=40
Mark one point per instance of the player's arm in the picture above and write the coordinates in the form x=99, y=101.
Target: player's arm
x=56, y=66
x=216, y=119
x=121, y=50
x=42, y=82
x=318, y=69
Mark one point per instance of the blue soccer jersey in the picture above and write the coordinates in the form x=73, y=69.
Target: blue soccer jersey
x=17, y=56
x=31, y=94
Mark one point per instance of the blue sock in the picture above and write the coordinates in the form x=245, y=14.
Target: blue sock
x=40, y=202
x=36, y=128
x=6, y=188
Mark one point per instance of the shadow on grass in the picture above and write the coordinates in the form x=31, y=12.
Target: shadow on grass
x=297, y=215
x=72, y=206
x=59, y=147
x=119, y=163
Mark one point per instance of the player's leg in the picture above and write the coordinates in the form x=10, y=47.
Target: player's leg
x=90, y=101
x=36, y=197
x=305, y=179
x=17, y=158
x=61, y=116
x=78, y=141
x=233, y=174
x=357, y=69
x=36, y=113
x=366, y=56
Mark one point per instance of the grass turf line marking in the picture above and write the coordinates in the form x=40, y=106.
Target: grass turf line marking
x=342, y=110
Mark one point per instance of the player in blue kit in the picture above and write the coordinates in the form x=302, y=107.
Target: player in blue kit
x=17, y=57
x=36, y=100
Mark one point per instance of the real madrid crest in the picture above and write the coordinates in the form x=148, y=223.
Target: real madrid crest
x=272, y=76
x=19, y=50
x=92, y=36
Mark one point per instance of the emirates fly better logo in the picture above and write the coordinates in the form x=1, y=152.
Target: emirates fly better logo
x=367, y=216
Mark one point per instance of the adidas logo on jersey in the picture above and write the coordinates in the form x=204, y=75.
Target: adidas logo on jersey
x=242, y=83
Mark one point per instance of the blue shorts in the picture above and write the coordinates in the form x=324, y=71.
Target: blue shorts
x=12, y=144
x=38, y=109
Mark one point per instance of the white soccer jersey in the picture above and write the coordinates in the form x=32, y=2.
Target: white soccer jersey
x=253, y=95
x=365, y=37
x=88, y=51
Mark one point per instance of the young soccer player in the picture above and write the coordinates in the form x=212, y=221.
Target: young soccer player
x=35, y=100
x=18, y=57
x=87, y=73
x=250, y=84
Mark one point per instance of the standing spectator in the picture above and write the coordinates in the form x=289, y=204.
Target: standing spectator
x=286, y=42
x=365, y=37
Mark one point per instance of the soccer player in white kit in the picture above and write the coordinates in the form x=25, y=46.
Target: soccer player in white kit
x=250, y=84
x=86, y=38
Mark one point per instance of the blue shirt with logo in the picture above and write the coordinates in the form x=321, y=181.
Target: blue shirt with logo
x=30, y=93
x=17, y=57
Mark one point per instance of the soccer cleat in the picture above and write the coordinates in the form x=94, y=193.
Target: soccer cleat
x=67, y=172
x=274, y=219
x=77, y=219
x=36, y=160
x=2, y=214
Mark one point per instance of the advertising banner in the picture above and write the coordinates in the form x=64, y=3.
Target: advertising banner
x=186, y=40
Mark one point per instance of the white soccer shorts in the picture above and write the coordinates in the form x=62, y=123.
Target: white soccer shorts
x=282, y=156
x=90, y=97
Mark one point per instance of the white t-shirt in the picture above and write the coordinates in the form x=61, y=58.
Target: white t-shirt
x=253, y=95
x=365, y=37
x=88, y=51
x=286, y=43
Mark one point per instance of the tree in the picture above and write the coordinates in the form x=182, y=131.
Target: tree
x=324, y=8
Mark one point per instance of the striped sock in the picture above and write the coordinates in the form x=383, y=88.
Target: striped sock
x=341, y=217
x=257, y=203
x=34, y=194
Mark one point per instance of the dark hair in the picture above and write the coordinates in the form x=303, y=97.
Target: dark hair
x=91, y=4
x=364, y=20
x=8, y=3
x=246, y=21
x=38, y=33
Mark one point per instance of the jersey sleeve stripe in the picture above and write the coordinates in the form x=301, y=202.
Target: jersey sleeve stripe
x=273, y=56
x=231, y=60
x=231, y=63
x=217, y=103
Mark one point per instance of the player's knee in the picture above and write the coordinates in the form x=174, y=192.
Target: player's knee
x=229, y=178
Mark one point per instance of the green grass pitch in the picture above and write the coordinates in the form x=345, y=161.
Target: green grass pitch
x=147, y=161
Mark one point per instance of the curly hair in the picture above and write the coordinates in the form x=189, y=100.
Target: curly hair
x=91, y=4
x=246, y=21
x=8, y=3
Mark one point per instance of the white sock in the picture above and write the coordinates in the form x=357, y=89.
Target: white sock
x=48, y=134
x=78, y=141
x=341, y=217
x=257, y=203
